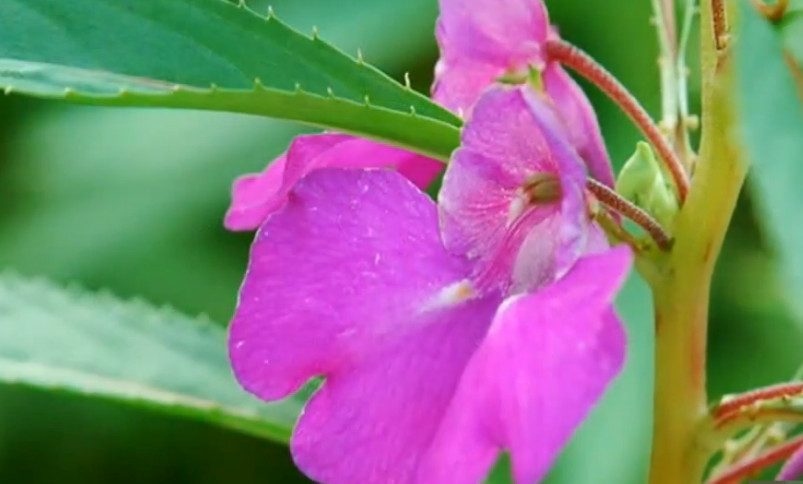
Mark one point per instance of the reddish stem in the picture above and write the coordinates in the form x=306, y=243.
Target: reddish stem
x=747, y=469
x=571, y=56
x=720, y=22
x=738, y=403
x=607, y=196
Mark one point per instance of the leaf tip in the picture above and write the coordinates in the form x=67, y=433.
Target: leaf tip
x=330, y=92
x=315, y=33
x=407, y=81
x=271, y=13
x=8, y=90
x=413, y=111
x=367, y=100
x=298, y=87
x=360, y=58
x=258, y=84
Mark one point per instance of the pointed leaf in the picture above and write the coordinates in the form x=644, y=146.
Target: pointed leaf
x=207, y=54
x=95, y=345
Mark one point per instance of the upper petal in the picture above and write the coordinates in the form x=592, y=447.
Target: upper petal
x=580, y=121
x=545, y=362
x=485, y=214
x=254, y=197
x=482, y=39
x=251, y=197
x=459, y=83
x=489, y=30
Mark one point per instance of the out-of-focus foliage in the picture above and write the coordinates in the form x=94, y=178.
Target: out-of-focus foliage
x=791, y=27
x=132, y=201
x=772, y=119
x=68, y=340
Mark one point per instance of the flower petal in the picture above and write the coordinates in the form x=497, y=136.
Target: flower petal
x=793, y=469
x=580, y=121
x=373, y=422
x=546, y=361
x=351, y=281
x=251, y=197
x=482, y=39
x=512, y=136
x=254, y=197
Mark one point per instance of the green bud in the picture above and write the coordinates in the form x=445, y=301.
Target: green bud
x=643, y=182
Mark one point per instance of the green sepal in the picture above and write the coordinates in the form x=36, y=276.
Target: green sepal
x=515, y=77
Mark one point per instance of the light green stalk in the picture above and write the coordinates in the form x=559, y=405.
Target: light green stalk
x=681, y=283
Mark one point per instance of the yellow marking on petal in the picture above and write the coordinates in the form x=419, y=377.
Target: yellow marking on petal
x=452, y=295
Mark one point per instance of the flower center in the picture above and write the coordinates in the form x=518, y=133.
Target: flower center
x=542, y=188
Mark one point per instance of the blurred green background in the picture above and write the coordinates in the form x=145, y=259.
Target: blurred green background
x=132, y=201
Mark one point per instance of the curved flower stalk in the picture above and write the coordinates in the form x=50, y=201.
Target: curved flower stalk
x=439, y=347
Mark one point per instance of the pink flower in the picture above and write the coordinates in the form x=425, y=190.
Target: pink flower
x=793, y=469
x=512, y=152
x=436, y=357
x=483, y=40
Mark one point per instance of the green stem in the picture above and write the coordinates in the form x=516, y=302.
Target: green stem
x=665, y=27
x=683, y=141
x=682, y=283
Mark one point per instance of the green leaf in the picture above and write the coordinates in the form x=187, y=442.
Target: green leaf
x=772, y=121
x=207, y=54
x=98, y=346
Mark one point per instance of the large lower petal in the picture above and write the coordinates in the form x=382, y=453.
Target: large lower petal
x=254, y=197
x=546, y=361
x=373, y=422
x=513, y=138
x=350, y=281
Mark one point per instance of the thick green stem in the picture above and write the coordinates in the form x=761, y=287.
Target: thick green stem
x=681, y=285
x=681, y=309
